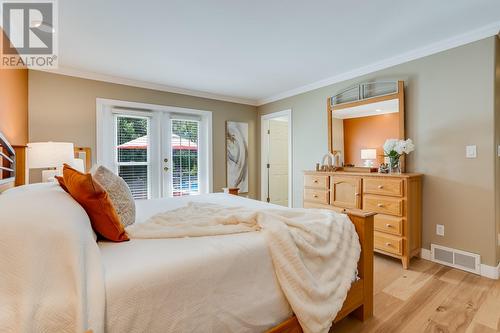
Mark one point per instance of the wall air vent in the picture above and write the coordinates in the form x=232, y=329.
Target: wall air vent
x=466, y=261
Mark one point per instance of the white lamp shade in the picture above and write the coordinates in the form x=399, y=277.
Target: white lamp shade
x=78, y=164
x=368, y=154
x=50, y=154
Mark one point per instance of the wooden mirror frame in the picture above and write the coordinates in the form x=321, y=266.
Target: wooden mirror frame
x=399, y=95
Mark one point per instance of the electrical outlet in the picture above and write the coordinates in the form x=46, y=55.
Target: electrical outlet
x=440, y=229
x=471, y=151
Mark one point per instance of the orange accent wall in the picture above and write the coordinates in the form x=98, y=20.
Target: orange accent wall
x=14, y=104
x=368, y=132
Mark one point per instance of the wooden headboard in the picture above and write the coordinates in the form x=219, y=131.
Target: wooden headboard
x=7, y=164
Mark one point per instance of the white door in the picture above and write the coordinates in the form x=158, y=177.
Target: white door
x=278, y=162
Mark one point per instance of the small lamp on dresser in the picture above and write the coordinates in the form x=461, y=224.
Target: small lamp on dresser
x=51, y=156
x=368, y=155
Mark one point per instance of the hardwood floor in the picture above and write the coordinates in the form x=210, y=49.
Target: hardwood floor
x=428, y=298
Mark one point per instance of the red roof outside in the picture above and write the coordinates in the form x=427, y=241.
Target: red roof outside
x=176, y=141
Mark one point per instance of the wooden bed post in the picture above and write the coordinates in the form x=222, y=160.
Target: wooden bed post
x=359, y=299
x=363, y=223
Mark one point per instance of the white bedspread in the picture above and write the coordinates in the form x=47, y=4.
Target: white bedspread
x=205, y=284
x=314, y=253
x=51, y=277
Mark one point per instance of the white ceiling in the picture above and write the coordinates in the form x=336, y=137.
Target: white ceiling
x=260, y=50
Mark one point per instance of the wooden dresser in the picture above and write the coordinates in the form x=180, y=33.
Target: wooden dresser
x=396, y=198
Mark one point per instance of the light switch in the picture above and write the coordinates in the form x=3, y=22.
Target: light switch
x=471, y=151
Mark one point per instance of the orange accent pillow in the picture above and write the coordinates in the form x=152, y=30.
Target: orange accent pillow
x=60, y=180
x=96, y=202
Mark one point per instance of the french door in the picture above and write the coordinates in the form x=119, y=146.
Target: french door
x=181, y=170
x=157, y=153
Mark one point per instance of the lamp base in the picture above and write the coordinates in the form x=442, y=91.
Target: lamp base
x=49, y=175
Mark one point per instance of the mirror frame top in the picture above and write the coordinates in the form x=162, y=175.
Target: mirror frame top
x=399, y=95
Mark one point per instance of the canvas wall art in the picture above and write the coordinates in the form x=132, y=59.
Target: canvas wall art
x=237, y=155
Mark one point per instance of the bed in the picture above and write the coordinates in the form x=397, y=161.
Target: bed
x=199, y=280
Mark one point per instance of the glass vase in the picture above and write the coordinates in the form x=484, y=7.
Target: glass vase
x=395, y=164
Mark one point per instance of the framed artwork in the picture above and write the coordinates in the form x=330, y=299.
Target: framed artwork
x=237, y=155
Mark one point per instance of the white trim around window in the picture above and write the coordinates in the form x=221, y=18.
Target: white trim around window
x=106, y=109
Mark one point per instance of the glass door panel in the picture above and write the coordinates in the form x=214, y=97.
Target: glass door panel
x=132, y=153
x=184, y=152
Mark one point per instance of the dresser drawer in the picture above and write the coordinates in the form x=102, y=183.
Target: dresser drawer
x=317, y=196
x=383, y=205
x=388, y=243
x=389, y=224
x=317, y=181
x=383, y=186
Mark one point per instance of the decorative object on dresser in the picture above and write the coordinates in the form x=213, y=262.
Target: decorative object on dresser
x=368, y=155
x=394, y=149
x=237, y=155
x=395, y=198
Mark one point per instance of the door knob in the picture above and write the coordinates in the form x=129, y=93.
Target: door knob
x=165, y=160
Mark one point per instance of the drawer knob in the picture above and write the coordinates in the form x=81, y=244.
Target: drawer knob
x=388, y=225
x=356, y=194
x=315, y=181
x=381, y=187
x=315, y=195
x=388, y=244
x=380, y=205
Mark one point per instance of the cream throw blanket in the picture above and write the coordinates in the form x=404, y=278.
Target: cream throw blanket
x=314, y=252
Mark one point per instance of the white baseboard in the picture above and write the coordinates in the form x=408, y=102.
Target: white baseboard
x=425, y=254
x=490, y=272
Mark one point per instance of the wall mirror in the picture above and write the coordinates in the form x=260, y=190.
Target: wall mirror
x=361, y=118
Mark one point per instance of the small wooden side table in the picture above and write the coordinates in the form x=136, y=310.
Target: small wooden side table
x=231, y=190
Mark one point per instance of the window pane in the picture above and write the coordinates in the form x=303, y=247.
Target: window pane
x=136, y=176
x=132, y=139
x=184, y=145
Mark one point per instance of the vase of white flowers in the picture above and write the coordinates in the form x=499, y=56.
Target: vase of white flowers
x=394, y=149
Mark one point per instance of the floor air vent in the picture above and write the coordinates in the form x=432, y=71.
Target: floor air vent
x=466, y=261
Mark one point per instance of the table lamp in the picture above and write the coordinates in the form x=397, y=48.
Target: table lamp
x=368, y=155
x=50, y=155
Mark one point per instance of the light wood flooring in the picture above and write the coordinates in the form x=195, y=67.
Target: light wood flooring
x=428, y=298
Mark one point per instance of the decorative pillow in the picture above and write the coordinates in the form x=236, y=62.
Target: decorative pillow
x=96, y=202
x=119, y=193
x=60, y=180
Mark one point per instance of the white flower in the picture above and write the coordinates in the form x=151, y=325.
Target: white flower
x=398, y=146
x=409, y=146
x=390, y=145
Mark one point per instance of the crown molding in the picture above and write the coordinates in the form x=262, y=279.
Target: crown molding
x=443, y=45
x=147, y=85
